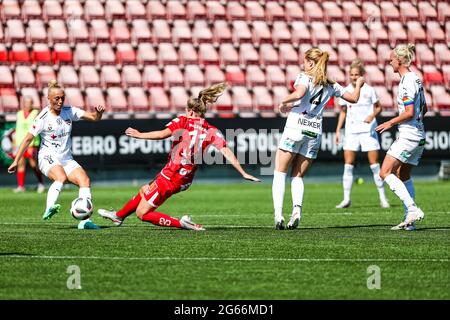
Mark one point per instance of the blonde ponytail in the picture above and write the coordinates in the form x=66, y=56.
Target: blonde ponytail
x=319, y=71
x=205, y=97
x=405, y=53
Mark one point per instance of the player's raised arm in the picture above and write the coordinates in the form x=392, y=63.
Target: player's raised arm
x=299, y=93
x=229, y=155
x=354, y=96
x=151, y=135
x=23, y=146
x=95, y=115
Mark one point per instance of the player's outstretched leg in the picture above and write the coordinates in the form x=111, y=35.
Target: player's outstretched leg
x=117, y=217
x=164, y=220
x=52, y=196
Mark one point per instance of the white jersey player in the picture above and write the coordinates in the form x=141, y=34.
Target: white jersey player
x=360, y=135
x=54, y=125
x=406, y=151
x=302, y=135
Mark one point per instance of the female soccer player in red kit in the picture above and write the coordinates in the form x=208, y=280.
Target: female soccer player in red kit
x=192, y=136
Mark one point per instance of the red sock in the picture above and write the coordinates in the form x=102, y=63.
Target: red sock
x=129, y=207
x=21, y=179
x=38, y=174
x=161, y=219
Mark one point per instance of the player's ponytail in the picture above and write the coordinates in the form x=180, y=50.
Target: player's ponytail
x=205, y=97
x=405, y=53
x=319, y=71
x=358, y=64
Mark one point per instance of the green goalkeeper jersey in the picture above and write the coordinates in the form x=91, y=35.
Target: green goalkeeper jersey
x=23, y=125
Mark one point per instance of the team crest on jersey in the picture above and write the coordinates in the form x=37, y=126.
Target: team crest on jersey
x=49, y=128
x=59, y=121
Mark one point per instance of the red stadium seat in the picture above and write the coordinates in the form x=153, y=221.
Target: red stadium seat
x=140, y=31
x=62, y=54
x=156, y=10
x=201, y=33
x=339, y=33
x=435, y=33
x=248, y=54
x=181, y=32
x=255, y=76
x=386, y=101
x=99, y=31
x=351, y=12
x=389, y=12
x=279, y=94
x=292, y=71
x=195, y=10
x=89, y=77
x=346, y=55
x=235, y=11
x=268, y=55
x=392, y=79
x=313, y=12
x=159, y=101
x=51, y=10
x=374, y=76
x=335, y=73
x=263, y=102
x=57, y=32
x=9, y=102
x=288, y=55
x=320, y=33
x=31, y=9
x=427, y=12
x=242, y=100
x=152, y=77
x=93, y=9
x=43, y=76
x=6, y=80
x=358, y=33
x=221, y=32
x=120, y=32
x=125, y=54
x=72, y=10
x=294, y=12
x=275, y=76
x=408, y=12
x=67, y=77
x=116, y=100
x=224, y=106
x=110, y=77
x=193, y=76
x=3, y=54
x=274, y=12
x=83, y=55
x=432, y=76
x=281, y=33
x=446, y=74
x=19, y=54
x=366, y=53
x=14, y=31
x=300, y=33
x=137, y=100
x=442, y=54
x=241, y=32
x=24, y=77
x=207, y=54
x=167, y=54
x=187, y=54
x=443, y=9
x=114, y=10
x=178, y=98
x=397, y=33
x=383, y=52
x=416, y=33
x=172, y=76
x=10, y=10
x=175, y=10
x=213, y=75
x=2, y=35
x=104, y=54
x=78, y=31
x=94, y=97
x=261, y=32
x=41, y=54
x=215, y=11
x=36, y=32
x=33, y=93
x=254, y=11
x=424, y=55
x=234, y=75
x=131, y=77
x=333, y=54
x=228, y=55
x=332, y=12
x=146, y=54
x=134, y=10
x=378, y=34
x=161, y=31
x=441, y=99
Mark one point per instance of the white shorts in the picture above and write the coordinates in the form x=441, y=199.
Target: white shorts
x=46, y=162
x=294, y=141
x=407, y=151
x=361, y=141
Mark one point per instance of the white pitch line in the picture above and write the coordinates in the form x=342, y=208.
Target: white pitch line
x=226, y=259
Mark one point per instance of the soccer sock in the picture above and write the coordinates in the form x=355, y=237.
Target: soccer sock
x=297, y=190
x=412, y=192
x=278, y=188
x=84, y=192
x=38, y=174
x=53, y=193
x=378, y=181
x=347, y=181
x=129, y=207
x=20, y=179
x=399, y=189
x=161, y=219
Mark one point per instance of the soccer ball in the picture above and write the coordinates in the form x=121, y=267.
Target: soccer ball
x=81, y=208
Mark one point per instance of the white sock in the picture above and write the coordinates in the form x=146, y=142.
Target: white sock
x=278, y=187
x=297, y=190
x=399, y=189
x=84, y=192
x=53, y=193
x=412, y=192
x=378, y=181
x=347, y=181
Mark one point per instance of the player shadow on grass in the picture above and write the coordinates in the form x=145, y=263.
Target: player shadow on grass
x=15, y=254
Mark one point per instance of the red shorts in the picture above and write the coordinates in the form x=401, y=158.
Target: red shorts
x=31, y=153
x=159, y=191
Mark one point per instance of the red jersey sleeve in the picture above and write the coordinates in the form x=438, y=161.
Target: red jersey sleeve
x=176, y=124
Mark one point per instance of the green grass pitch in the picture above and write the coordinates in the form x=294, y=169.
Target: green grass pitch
x=239, y=256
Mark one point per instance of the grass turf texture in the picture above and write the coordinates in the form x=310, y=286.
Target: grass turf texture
x=240, y=256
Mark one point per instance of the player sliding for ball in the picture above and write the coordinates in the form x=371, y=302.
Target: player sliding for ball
x=54, y=125
x=193, y=135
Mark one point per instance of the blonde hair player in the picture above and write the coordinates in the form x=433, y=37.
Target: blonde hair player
x=54, y=126
x=193, y=135
x=407, y=150
x=302, y=134
x=360, y=135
